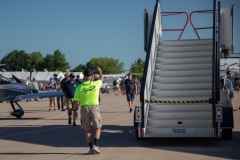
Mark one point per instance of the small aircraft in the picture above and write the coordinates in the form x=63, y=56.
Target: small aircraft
x=14, y=91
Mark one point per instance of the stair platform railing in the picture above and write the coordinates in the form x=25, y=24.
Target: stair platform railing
x=176, y=29
x=200, y=28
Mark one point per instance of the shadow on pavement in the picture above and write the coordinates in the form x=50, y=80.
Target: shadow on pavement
x=118, y=136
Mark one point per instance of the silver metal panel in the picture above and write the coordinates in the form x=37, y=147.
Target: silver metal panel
x=180, y=123
x=171, y=132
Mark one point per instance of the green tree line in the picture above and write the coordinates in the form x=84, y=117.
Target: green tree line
x=17, y=60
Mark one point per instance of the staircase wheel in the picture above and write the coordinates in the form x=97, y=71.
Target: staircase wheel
x=136, y=133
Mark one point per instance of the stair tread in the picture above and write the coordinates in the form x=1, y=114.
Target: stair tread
x=180, y=127
x=204, y=97
x=186, y=63
x=178, y=119
x=181, y=111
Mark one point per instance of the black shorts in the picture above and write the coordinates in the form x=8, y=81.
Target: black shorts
x=231, y=95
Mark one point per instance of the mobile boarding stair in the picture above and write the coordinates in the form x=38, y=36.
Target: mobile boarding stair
x=178, y=97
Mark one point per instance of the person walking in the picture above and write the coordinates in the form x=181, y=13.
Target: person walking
x=69, y=90
x=87, y=94
x=116, y=84
x=130, y=89
x=35, y=87
x=57, y=80
x=29, y=83
x=60, y=102
x=52, y=88
x=78, y=80
x=62, y=82
x=228, y=85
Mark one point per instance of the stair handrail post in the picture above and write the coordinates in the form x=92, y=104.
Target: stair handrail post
x=216, y=68
x=148, y=61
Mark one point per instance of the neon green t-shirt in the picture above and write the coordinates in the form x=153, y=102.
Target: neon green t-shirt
x=87, y=93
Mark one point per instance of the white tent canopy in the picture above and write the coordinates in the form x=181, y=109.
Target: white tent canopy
x=40, y=76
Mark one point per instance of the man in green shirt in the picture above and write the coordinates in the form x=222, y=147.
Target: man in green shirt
x=87, y=94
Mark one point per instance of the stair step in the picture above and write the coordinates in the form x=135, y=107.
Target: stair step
x=190, y=60
x=192, y=66
x=180, y=98
x=179, y=107
x=183, y=86
x=173, y=93
x=185, y=42
x=176, y=80
x=183, y=72
x=182, y=54
x=181, y=115
x=185, y=48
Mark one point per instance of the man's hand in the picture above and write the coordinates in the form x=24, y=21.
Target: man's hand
x=100, y=74
x=99, y=69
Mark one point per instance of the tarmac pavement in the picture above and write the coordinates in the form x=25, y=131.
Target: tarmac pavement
x=43, y=135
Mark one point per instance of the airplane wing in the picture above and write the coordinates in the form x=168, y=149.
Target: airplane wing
x=39, y=95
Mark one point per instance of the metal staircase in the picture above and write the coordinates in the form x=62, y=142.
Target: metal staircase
x=181, y=88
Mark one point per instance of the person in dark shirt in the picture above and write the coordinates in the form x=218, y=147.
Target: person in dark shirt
x=78, y=80
x=63, y=81
x=69, y=89
x=130, y=89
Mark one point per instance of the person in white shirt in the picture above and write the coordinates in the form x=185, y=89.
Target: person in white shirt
x=52, y=86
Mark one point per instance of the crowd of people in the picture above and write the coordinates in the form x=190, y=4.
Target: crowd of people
x=230, y=83
x=85, y=93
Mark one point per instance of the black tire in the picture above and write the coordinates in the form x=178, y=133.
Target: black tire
x=18, y=113
x=135, y=125
x=227, y=134
x=136, y=134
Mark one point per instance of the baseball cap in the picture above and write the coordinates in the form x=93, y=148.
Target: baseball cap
x=72, y=75
x=88, y=72
x=129, y=73
x=51, y=78
x=55, y=75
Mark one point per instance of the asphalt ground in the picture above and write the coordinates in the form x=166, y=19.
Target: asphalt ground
x=43, y=135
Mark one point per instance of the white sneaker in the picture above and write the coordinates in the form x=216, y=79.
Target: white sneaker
x=91, y=151
x=96, y=149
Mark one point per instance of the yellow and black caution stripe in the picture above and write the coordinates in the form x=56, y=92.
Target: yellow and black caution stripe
x=177, y=102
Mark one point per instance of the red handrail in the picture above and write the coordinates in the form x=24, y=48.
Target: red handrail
x=176, y=29
x=195, y=28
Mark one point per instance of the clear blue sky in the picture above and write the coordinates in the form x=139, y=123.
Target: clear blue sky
x=83, y=29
